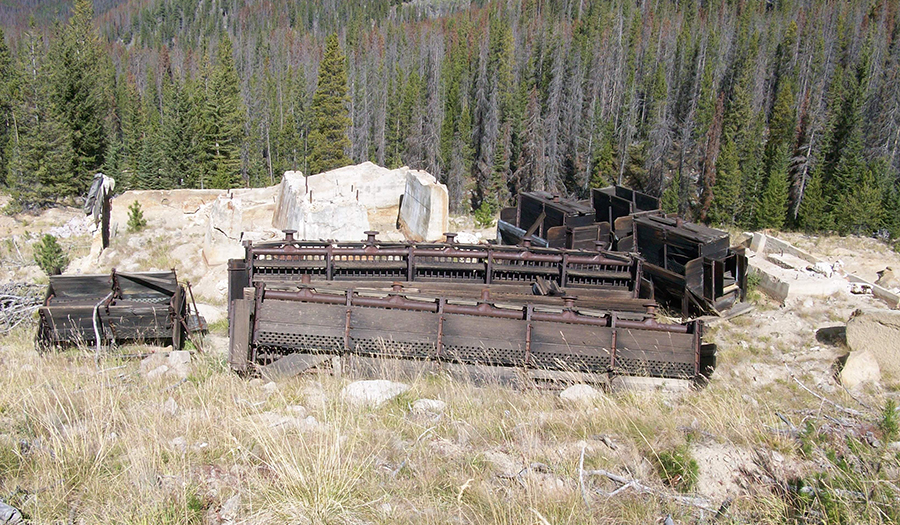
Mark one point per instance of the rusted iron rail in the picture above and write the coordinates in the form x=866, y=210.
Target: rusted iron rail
x=289, y=260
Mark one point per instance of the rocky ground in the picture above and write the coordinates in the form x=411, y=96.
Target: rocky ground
x=178, y=438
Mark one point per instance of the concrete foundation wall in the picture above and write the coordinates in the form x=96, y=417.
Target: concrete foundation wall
x=424, y=212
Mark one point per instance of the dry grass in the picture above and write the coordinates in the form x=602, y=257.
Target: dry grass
x=82, y=445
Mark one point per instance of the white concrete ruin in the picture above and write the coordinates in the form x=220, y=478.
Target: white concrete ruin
x=341, y=204
x=788, y=272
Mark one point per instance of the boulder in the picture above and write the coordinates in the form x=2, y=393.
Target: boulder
x=861, y=367
x=372, y=393
x=877, y=331
x=580, y=395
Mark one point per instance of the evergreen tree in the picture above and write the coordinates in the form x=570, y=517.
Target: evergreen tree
x=80, y=77
x=772, y=209
x=223, y=119
x=328, y=141
x=41, y=160
x=671, y=201
x=814, y=213
x=727, y=189
x=7, y=82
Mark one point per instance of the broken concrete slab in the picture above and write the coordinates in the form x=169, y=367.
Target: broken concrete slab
x=877, y=331
x=424, y=213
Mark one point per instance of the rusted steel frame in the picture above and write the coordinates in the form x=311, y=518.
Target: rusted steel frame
x=484, y=309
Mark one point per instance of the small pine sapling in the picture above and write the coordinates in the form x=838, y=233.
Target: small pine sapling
x=49, y=255
x=136, y=220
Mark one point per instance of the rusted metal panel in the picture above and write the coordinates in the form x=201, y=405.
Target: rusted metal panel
x=473, y=332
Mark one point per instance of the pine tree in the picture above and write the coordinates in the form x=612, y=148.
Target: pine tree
x=814, y=211
x=7, y=81
x=727, y=189
x=224, y=119
x=328, y=141
x=81, y=75
x=41, y=159
x=772, y=209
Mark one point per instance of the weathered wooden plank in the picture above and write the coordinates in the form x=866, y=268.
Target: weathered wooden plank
x=239, y=328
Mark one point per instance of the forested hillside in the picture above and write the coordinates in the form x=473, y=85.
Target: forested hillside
x=761, y=114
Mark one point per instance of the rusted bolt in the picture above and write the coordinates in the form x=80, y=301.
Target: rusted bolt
x=569, y=301
x=371, y=236
x=556, y=198
x=396, y=287
x=305, y=278
x=289, y=235
x=451, y=237
x=485, y=295
x=526, y=243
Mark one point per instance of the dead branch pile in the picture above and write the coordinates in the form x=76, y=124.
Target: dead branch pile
x=18, y=301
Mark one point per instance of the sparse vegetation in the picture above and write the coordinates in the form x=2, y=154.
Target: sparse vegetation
x=677, y=468
x=136, y=220
x=49, y=255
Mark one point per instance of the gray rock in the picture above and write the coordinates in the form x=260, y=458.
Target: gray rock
x=580, y=395
x=10, y=515
x=372, y=393
x=428, y=406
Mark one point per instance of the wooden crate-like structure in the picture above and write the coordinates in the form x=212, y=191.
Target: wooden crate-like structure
x=546, y=220
x=140, y=306
x=270, y=323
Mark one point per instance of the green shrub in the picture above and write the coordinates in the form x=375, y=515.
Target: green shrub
x=49, y=255
x=677, y=468
x=889, y=424
x=484, y=215
x=136, y=220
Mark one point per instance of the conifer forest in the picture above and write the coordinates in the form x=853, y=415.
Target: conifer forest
x=752, y=113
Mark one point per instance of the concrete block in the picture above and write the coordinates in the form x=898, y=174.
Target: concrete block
x=425, y=209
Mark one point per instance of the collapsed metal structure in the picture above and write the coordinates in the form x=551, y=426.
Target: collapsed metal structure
x=690, y=266
x=474, y=304
x=140, y=306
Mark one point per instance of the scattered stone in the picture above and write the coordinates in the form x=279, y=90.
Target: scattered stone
x=176, y=364
x=372, y=393
x=256, y=382
x=170, y=407
x=228, y=513
x=646, y=384
x=179, y=444
x=861, y=367
x=580, y=394
x=10, y=515
x=157, y=373
x=877, y=331
x=270, y=387
x=821, y=267
x=861, y=288
x=431, y=407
